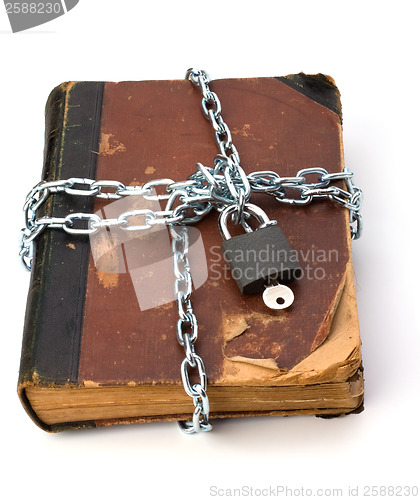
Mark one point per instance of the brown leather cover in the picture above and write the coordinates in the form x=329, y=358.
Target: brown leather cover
x=84, y=327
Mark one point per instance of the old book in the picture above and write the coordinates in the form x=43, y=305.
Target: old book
x=94, y=354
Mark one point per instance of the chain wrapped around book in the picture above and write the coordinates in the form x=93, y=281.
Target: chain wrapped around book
x=226, y=188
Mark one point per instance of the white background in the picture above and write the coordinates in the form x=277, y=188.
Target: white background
x=371, y=50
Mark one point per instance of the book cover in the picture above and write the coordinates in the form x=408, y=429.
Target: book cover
x=96, y=353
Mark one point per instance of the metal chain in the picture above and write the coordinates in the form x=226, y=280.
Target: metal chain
x=196, y=196
x=228, y=161
x=187, y=202
x=212, y=109
x=188, y=321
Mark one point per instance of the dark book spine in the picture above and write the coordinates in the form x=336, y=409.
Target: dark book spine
x=55, y=308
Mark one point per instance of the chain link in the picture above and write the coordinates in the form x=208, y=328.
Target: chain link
x=206, y=189
x=212, y=109
x=222, y=187
x=188, y=321
x=228, y=161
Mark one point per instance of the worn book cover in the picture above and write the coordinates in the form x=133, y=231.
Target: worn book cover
x=97, y=350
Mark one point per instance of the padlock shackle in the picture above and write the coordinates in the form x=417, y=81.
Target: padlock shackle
x=254, y=210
